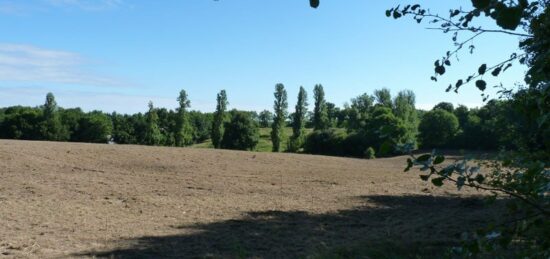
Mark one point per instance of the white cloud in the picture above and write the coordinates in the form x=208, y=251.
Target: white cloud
x=27, y=63
x=28, y=7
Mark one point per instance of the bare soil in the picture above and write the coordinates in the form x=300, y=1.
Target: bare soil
x=80, y=200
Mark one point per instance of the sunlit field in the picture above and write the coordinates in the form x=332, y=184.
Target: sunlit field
x=69, y=199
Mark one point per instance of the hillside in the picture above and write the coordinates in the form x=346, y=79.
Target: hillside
x=69, y=199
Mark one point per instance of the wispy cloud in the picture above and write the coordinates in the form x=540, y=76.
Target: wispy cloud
x=18, y=7
x=33, y=64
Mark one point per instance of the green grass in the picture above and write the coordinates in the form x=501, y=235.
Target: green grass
x=264, y=143
x=206, y=144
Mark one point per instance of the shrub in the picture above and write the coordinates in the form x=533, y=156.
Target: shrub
x=240, y=133
x=355, y=144
x=295, y=144
x=369, y=153
x=324, y=142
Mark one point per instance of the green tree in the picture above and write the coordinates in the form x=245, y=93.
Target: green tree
x=383, y=97
x=70, y=121
x=125, y=129
x=332, y=114
x=462, y=112
x=445, y=106
x=360, y=109
x=404, y=109
x=265, y=117
x=385, y=131
x=51, y=127
x=184, y=131
x=94, y=127
x=320, y=113
x=152, y=132
x=280, y=107
x=523, y=174
x=21, y=123
x=241, y=132
x=219, y=117
x=201, y=124
x=299, y=122
x=438, y=128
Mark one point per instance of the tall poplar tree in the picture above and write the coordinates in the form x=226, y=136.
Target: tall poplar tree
x=153, y=136
x=184, y=131
x=320, y=113
x=219, y=115
x=50, y=127
x=280, y=107
x=298, y=121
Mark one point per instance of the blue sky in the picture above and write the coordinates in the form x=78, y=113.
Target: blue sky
x=116, y=55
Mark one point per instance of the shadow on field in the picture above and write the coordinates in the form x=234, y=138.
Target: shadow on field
x=399, y=225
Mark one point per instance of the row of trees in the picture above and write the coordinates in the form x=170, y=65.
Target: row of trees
x=369, y=125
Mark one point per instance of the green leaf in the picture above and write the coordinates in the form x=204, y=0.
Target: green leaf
x=479, y=178
x=388, y=12
x=439, y=160
x=314, y=3
x=424, y=177
x=509, y=18
x=460, y=181
x=481, y=70
x=438, y=181
x=496, y=71
x=481, y=85
x=396, y=14
x=481, y=4
x=459, y=83
x=423, y=158
x=440, y=70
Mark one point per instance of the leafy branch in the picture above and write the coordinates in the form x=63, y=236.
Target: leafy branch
x=467, y=176
x=508, y=17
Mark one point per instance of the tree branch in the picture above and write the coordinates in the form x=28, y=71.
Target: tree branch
x=482, y=30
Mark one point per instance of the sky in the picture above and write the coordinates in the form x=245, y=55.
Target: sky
x=116, y=55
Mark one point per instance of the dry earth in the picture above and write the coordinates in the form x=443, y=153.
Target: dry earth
x=78, y=200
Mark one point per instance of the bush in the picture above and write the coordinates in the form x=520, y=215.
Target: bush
x=369, y=153
x=240, y=133
x=325, y=142
x=355, y=144
x=294, y=144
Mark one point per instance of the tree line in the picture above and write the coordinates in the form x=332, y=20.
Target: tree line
x=370, y=125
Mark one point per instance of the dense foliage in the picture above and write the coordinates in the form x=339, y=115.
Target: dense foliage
x=382, y=123
x=241, y=132
x=518, y=121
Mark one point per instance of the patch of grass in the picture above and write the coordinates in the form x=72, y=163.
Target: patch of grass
x=264, y=143
x=206, y=144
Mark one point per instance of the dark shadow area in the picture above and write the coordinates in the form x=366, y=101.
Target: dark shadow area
x=405, y=225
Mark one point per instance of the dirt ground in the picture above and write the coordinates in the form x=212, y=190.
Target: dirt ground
x=78, y=200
